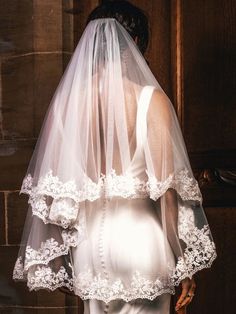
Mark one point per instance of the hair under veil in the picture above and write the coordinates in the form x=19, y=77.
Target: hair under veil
x=110, y=132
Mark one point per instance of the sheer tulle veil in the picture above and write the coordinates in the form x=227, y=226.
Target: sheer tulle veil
x=86, y=150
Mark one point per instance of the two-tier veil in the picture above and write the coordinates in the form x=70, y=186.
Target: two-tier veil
x=85, y=151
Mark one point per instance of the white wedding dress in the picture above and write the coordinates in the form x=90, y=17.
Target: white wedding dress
x=115, y=213
x=124, y=241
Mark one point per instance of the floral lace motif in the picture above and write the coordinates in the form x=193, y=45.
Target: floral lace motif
x=113, y=185
x=200, y=250
x=186, y=186
x=44, y=277
x=18, y=271
x=63, y=210
x=50, y=249
x=199, y=253
x=88, y=286
x=64, y=206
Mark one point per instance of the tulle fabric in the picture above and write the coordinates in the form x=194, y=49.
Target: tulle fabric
x=111, y=165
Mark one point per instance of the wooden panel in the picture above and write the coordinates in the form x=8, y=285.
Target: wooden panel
x=203, y=76
x=209, y=74
x=176, y=59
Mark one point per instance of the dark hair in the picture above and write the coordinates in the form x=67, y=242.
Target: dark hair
x=129, y=16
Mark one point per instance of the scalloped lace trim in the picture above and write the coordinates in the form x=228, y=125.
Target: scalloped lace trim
x=51, y=249
x=186, y=186
x=114, y=185
x=64, y=207
x=199, y=253
x=88, y=286
x=44, y=277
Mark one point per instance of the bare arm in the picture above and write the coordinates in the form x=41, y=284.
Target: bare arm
x=159, y=140
x=161, y=147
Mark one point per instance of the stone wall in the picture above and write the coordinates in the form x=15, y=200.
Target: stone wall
x=36, y=42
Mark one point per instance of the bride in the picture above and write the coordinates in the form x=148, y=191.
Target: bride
x=115, y=213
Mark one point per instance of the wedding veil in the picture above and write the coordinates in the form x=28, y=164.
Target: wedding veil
x=89, y=140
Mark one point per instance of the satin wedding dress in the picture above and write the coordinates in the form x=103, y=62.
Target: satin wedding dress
x=115, y=213
x=125, y=239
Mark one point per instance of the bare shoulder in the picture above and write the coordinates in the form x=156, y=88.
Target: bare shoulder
x=159, y=106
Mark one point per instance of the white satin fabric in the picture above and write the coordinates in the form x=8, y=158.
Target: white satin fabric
x=160, y=305
x=125, y=239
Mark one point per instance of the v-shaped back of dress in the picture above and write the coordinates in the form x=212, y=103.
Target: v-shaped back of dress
x=125, y=249
x=137, y=165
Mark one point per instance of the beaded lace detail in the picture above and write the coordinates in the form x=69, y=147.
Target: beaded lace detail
x=50, y=249
x=114, y=185
x=88, y=286
x=64, y=207
x=200, y=250
x=199, y=253
x=45, y=277
x=186, y=186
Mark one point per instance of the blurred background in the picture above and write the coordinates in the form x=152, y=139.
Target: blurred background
x=192, y=53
